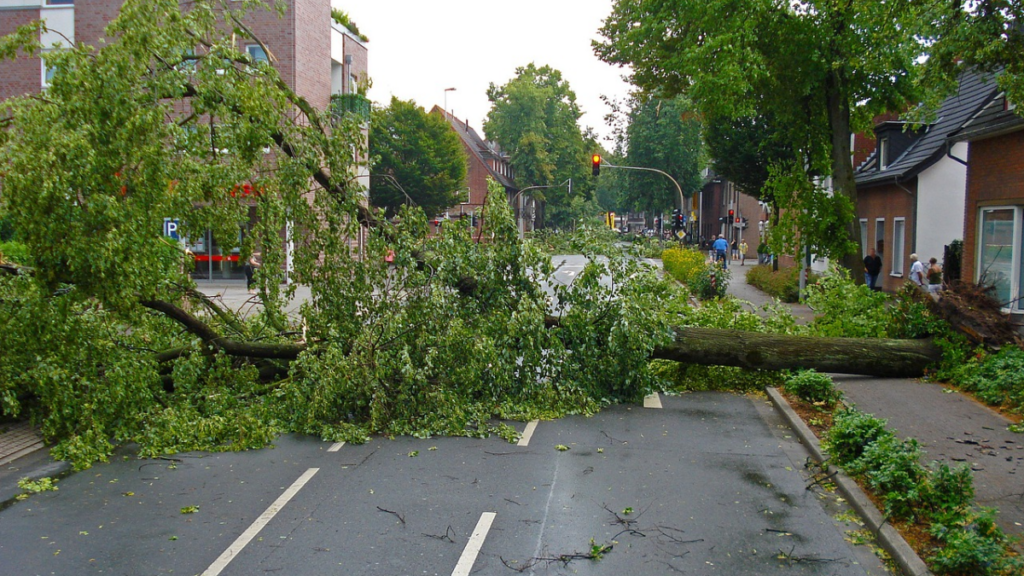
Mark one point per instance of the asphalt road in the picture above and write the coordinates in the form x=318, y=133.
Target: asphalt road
x=710, y=483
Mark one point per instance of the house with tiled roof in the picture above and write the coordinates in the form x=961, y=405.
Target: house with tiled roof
x=994, y=225
x=486, y=160
x=911, y=189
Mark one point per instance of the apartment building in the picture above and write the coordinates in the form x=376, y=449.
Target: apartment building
x=321, y=60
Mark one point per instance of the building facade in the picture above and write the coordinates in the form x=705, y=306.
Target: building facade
x=993, y=251
x=321, y=60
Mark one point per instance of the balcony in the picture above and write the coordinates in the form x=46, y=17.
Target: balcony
x=342, y=104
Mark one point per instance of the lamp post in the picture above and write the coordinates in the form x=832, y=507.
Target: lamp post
x=446, y=91
x=679, y=189
x=522, y=223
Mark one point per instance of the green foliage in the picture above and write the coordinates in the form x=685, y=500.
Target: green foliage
x=342, y=18
x=784, y=284
x=15, y=252
x=808, y=214
x=421, y=152
x=813, y=387
x=709, y=282
x=851, y=433
x=995, y=378
x=590, y=237
x=845, y=309
x=662, y=134
x=534, y=119
x=31, y=487
x=940, y=497
x=973, y=544
x=892, y=469
x=684, y=264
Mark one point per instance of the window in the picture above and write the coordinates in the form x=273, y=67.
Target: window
x=999, y=253
x=257, y=53
x=899, y=227
x=880, y=236
x=864, y=238
x=48, y=72
x=60, y=2
x=883, y=153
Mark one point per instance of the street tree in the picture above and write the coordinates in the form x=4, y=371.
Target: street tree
x=822, y=67
x=664, y=135
x=107, y=340
x=987, y=35
x=421, y=156
x=534, y=117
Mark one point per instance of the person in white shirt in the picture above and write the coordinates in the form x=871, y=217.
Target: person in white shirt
x=917, y=273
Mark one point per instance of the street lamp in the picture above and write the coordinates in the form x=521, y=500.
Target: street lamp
x=522, y=223
x=446, y=91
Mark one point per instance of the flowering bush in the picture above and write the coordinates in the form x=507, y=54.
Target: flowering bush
x=683, y=263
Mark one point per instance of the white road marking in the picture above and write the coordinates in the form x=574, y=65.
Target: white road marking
x=524, y=440
x=652, y=401
x=476, y=541
x=336, y=446
x=264, y=519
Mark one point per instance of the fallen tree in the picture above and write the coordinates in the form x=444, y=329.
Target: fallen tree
x=761, y=351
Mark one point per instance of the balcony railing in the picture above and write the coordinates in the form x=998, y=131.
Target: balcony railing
x=342, y=104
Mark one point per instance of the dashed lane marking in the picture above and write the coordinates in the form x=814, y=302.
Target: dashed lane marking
x=476, y=541
x=524, y=440
x=220, y=563
x=652, y=401
x=336, y=446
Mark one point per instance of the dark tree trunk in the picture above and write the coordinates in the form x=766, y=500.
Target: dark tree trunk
x=866, y=356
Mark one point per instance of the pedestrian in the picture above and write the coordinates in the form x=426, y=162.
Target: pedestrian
x=762, y=253
x=934, y=276
x=872, y=268
x=735, y=250
x=917, y=273
x=721, y=248
x=743, y=253
x=250, y=270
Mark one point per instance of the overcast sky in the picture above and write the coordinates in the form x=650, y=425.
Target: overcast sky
x=418, y=48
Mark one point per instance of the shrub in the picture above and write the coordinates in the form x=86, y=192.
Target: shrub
x=784, y=284
x=813, y=387
x=973, y=544
x=710, y=282
x=844, y=309
x=951, y=490
x=997, y=378
x=892, y=468
x=14, y=252
x=851, y=433
x=683, y=264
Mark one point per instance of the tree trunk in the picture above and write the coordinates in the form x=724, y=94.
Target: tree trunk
x=843, y=179
x=866, y=356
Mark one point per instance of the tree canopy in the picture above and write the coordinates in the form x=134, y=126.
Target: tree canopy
x=820, y=67
x=665, y=135
x=534, y=117
x=421, y=153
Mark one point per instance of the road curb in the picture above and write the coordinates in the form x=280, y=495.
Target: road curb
x=890, y=539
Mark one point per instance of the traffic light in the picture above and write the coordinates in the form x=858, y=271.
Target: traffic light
x=731, y=214
x=596, y=162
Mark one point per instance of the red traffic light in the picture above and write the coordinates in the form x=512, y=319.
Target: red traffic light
x=730, y=213
x=596, y=161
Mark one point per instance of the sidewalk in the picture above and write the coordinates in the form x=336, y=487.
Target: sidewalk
x=951, y=427
x=739, y=288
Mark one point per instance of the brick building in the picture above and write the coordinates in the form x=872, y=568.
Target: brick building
x=993, y=251
x=321, y=60
x=486, y=160
x=911, y=186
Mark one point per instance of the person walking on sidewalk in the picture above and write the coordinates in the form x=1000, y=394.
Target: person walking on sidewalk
x=917, y=273
x=872, y=268
x=934, y=276
x=743, y=253
x=721, y=248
